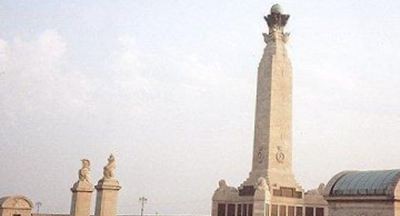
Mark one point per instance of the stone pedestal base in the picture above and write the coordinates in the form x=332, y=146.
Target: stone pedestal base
x=106, y=200
x=81, y=198
x=228, y=201
x=260, y=200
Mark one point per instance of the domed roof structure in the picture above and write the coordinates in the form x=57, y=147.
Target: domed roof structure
x=17, y=202
x=363, y=183
x=276, y=8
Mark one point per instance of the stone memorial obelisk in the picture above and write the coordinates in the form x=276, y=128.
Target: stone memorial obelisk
x=82, y=192
x=271, y=188
x=272, y=147
x=107, y=191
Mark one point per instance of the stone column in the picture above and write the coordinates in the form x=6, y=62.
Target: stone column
x=107, y=191
x=82, y=192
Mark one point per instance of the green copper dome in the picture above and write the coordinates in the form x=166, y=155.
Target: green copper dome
x=364, y=183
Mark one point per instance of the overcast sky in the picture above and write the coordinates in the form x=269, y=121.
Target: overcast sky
x=169, y=88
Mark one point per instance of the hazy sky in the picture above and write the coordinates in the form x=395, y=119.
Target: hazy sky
x=169, y=88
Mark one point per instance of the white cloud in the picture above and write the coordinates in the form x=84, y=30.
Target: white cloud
x=3, y=56
x=144, y=81
x=36, y=79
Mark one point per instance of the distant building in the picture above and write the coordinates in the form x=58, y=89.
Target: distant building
x=364, y=193
x=15, y=206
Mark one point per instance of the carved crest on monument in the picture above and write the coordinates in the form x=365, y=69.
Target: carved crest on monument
x=280, y=156
x=260, y=154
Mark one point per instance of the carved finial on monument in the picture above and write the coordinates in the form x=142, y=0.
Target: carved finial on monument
x=317, y=191
x=223, y=186
x=262, y=190
x=224, y=191
x=82, y=191
x=276, y=21
x=84, y=182
x=109, y=169
x=321, y=188
x=262, y=184
x=107, y=191
x=84, y=172
x=222, y=183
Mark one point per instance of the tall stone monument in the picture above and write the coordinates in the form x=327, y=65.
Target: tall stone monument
x=107, y=191
x=272, y=150
x=82, y=192
x=271, y=188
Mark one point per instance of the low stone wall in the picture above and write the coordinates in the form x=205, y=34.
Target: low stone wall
x=45, y=214
x=370, y=208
